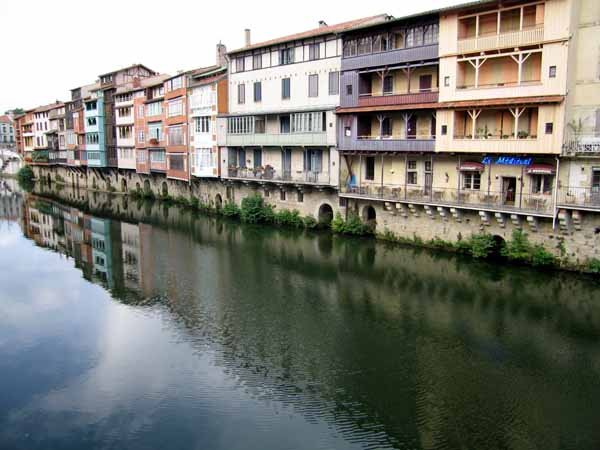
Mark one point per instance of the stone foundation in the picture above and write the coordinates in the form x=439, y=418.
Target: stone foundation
x=575, y=235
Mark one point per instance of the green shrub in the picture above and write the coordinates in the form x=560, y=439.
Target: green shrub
x=481, y=245
x=289, y=218
x=518, y=249
x=310, y=222
x=353, y=226
x=230, y=209
x=194, y=203
x=254, y=210
x=540, y=257
x=337, y=224
x=25, y=178
x=593, y=265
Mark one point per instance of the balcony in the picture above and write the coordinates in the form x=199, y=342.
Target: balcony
x=392, y=98
x=587, y=197
x=501, y=28
x=389, y=132
x=277, y=140
x=390, y=57
x=40, y=156
x=500, y=201
x=582, y=145
x=269, y=174
x=511, y=39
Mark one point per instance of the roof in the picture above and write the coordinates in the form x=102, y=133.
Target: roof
x=48, y=107
x=206, y=71
x=127, y=68
x=320, y=31
x=5, y=119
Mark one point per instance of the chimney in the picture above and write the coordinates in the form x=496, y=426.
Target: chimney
x=247, y=40
x=221, y=52
x=322, y=23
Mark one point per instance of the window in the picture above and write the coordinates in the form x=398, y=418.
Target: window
x=141, y=156
x=257, y=91
x=313, y=85
x=285, y=88
x=175, y=107
x=284, y=124
x=542, y=184
x=282, y=195
x=257, y=62
x=242, y=158
x=240, y=125
x=176, y=135
x=446, y=81
x=307, y=122
x=334, y=83
x=286, y=56
x=471, y=180
x=348, y=89
x=154, y=109
x=141, y=137
x=155, y=131
x=241, y=94
x=370, y=168
x=313, y=51
x=595, y=179
x=300, y=198
x=140, y=110
x=157, y=157
x=91, y=121
x=386, y=127
x=239, y=64
x=549, y=127
x=204, y=158
x=388, y=84
x=175, y=83
x=125, y=132
x=259, y=124
x=552, y=72
x=257, y=157
x=177, y=162
x=202, y=124
x=411, y=176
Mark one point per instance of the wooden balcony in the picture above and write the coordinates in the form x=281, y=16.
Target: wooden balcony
x=277, y=140
x=513, y=39
x=398, y=99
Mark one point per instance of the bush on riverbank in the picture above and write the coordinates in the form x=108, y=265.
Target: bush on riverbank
x=352, y=225
x=519, y=249
x=25, y=177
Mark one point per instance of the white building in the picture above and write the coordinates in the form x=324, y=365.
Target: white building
x=207, y=97
x=281, y=125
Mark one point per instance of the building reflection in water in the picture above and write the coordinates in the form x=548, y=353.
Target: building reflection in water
x=394, y=346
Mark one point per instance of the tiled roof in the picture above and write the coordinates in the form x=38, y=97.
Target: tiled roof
x=320, y=31
x=48, y=107
x=5, y=119
x=127, y=68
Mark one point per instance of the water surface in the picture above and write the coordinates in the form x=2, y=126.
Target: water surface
x=141, y=326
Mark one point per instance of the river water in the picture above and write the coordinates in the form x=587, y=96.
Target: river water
x=126, y=326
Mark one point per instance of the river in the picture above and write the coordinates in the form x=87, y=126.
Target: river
x=121, y=328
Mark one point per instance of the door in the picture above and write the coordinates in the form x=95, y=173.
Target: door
x=411, y=128
x=595, y=194
x=313, y=161
x=428, y=177
x=509, y=188
x=425, y=82
x=286, y=163
x=257, y=158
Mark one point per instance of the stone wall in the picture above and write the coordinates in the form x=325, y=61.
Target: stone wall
x=574, y=235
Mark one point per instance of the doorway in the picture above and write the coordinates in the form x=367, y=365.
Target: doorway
x=411, y=127
x=425, y=83
x=286, y=163
x=509, y=189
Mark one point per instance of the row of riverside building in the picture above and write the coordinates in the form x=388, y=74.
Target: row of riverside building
x=488, y=107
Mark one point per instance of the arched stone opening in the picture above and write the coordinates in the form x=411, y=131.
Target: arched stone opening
x=325, y=215
x=164, y=189
x=218, y=202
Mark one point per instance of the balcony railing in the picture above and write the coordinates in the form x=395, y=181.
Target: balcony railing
x=270, y=174
x=398, y=98
x=583, y=144
x=388, y=143
x=509, y=39
x=451, y=197
x=277, y=140
x=585, y=197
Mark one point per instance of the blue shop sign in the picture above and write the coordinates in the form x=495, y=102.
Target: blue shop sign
x=507, y=160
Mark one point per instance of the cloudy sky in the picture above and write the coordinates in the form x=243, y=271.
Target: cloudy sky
x=57, y=45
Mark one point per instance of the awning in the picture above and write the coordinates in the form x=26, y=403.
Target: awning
x=541, y=169
x=471, y=167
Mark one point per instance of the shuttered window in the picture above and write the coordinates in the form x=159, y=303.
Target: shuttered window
x=334, y=83
x=313, y=85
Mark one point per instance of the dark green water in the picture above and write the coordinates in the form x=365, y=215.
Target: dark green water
x=172, y=332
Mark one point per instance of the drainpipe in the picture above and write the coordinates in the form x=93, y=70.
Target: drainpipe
x=555, y=194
